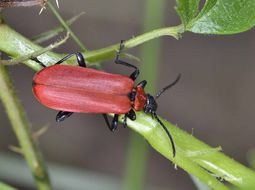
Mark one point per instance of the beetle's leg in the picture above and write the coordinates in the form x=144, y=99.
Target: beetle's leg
x=125, y=121
x=133, y=75
x=114, y=124
x=38, y=61
x=79, y=57
x=132, y=96
x=131, y=115
x=142, y=83
x=107, y=121
x=62, y=115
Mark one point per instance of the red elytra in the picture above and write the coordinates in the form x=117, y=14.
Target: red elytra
x=78, y=89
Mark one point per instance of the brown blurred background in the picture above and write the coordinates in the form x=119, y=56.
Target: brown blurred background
x=214, y=99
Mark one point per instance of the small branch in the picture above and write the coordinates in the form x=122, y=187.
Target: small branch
x=4, y=186
x=35, y=53
x=110, y=51
x=55, y=31
x=16, y=45
x=65, y=25
x=204, y=156
x=21, y=128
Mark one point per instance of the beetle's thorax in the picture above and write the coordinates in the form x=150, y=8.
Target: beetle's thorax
x=151, y=105
x=140, y=98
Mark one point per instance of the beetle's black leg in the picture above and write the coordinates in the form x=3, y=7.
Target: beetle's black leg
x=133, y=75
x=132, y=96
x=62, y=115
x=131, y=115
x=38, y=61
x=142, y=83
x=107, y=121
x=125, y=121
x=114, y=122
x=79, y=57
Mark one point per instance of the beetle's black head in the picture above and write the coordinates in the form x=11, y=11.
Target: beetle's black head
x=151, y=104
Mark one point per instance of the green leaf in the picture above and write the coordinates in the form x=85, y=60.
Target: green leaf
x=187, y=10
x=217, y=16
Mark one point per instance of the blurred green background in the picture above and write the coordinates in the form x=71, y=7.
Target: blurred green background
x=213, y=100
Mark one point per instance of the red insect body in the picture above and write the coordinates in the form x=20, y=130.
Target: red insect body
x=77, y=89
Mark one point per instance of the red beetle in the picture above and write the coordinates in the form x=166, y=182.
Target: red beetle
x=80, y=89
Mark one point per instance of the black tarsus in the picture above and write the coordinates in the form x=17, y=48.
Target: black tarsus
x=62, y=115
x=132, y=96
x=107, y=121
x=168, y=86
x=115, y=121
x=167, y=132
x=125, y=121
x=131, y=115
x=133, y=75
x=142, y=83
x=38, y=61
x=79, y=57
x=114, y=124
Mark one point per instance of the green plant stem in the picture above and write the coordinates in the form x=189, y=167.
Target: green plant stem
x=35, y=53
x=4, y=186
x=192, y=154
x=110, y=52
x=65, y=25
x=137, y=165
x=55, y=31
x=21, y=128
x=16, y=45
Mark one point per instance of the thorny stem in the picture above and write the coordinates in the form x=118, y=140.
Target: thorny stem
x=65, y=25
x=22, y=130
x=16, y=45
x=55, y=31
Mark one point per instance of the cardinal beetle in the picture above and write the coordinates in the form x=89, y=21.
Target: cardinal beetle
x=81, y=89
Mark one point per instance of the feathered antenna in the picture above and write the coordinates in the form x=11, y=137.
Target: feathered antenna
x=167, y=132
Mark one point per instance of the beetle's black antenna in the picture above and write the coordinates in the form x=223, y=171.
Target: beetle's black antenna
x=168, y=86
x=167, y=132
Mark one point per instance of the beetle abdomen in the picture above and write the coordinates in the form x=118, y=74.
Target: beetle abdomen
x=77, y=89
